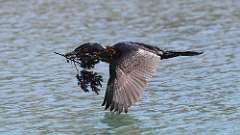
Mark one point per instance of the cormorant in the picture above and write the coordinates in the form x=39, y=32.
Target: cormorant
x=131, y=65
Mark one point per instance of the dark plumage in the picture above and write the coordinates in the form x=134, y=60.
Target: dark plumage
x=132, y=64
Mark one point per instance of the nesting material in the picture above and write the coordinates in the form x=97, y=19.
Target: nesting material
x=86, y=79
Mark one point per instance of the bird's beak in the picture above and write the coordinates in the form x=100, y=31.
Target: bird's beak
x=70, y=54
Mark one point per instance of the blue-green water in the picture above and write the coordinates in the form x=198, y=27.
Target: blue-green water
x=187, y=95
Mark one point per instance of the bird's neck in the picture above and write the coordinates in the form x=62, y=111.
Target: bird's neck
x=108, y=54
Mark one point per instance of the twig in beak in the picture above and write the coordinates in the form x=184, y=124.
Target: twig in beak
x=67, y=58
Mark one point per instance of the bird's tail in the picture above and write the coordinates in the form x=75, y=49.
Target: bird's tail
x=171, y=54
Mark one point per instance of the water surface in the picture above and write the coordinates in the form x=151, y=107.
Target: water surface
x=197, y=95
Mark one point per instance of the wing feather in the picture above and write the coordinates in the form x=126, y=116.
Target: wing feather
x=130, y=75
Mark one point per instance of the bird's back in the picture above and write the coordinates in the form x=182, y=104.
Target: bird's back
x=125, y=47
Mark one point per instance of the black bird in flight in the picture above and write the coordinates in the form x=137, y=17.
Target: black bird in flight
x=131, y=65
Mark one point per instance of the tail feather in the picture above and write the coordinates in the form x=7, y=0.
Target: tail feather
x=171, y=54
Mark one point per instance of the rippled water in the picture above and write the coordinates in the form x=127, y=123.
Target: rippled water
x=196, y=95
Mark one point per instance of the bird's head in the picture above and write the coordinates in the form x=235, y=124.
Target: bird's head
x=86, y=49
x=88, y=54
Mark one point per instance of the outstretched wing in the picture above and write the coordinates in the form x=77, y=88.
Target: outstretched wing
x=128, y=76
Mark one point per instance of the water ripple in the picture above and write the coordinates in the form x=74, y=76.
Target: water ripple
x=197, y=95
